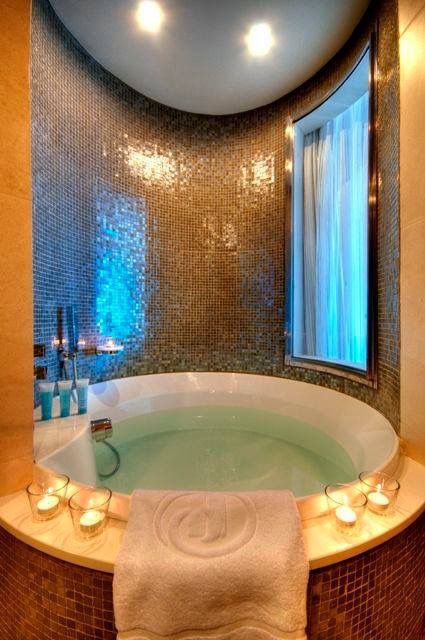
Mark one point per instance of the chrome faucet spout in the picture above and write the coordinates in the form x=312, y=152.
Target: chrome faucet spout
x=101, y=429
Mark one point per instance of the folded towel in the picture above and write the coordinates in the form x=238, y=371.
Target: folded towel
x=213, y=566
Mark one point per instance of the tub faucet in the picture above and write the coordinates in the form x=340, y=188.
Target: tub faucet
x=101, y=429
x=68, y=354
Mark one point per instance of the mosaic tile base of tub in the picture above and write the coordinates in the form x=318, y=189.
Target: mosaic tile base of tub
x=378, y=595
x=42, y=598
x=166, y=229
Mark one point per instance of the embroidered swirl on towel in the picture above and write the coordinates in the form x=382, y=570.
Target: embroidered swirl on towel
x=205, y=525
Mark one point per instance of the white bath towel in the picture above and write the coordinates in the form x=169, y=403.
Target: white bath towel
x=213, y=566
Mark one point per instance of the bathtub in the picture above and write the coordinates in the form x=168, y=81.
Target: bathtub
x=365, y=436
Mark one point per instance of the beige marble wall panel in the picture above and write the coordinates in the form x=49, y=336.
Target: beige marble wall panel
x=15, y=248
x=412, y=224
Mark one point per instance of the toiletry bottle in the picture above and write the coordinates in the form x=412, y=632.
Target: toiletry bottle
x=46, y=397
x=64, y=387
x=82, y=394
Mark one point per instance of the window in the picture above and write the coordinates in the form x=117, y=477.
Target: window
x=330, y=265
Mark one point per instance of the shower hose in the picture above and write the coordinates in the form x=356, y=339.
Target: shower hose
x=117, y=461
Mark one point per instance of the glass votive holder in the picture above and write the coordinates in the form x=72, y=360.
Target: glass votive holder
x=89, y=510
x=346, y=506
x=47, y=496
x=381, y=491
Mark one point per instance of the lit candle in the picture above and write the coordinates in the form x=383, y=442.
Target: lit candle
x=47, y=506
x=378, y=501
x=91, y=521
x=110, y=346
x=345, y=516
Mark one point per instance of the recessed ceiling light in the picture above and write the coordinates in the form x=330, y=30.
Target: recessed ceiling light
x=259, y=39
x=149, y=16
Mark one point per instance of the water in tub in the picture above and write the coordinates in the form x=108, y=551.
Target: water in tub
x=223, y=448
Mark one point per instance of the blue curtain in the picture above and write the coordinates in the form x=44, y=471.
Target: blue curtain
x=335, y=238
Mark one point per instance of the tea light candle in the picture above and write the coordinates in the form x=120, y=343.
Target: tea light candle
x=91, y=521
x=46, y=495
x=378, y=500
x=47, y=506
x=110, y=347
x=346, y=516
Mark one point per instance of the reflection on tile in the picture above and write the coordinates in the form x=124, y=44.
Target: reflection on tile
x=120, y=277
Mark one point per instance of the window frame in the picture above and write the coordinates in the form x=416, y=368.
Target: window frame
x=369, y=376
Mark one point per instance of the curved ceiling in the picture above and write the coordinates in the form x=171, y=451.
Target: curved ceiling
x=198, y=60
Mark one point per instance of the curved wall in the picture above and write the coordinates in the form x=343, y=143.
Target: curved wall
x=166, y=229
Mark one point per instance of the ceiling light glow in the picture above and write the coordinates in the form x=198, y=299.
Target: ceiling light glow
x=149, y=16
x=259, y=39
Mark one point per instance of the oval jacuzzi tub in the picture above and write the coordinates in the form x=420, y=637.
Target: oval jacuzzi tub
x=220, y=432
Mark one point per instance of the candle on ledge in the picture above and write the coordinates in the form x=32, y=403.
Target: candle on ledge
x=91, y=521
x=377, y=500
x=346, y=507
x=89, y=511
x=48, y=506
x=381, y=490
x=110, y=347
x=47, y=494
x=346, y=516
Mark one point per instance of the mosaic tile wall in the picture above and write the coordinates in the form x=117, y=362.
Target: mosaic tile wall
x=166, y=229
x=379, y=595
